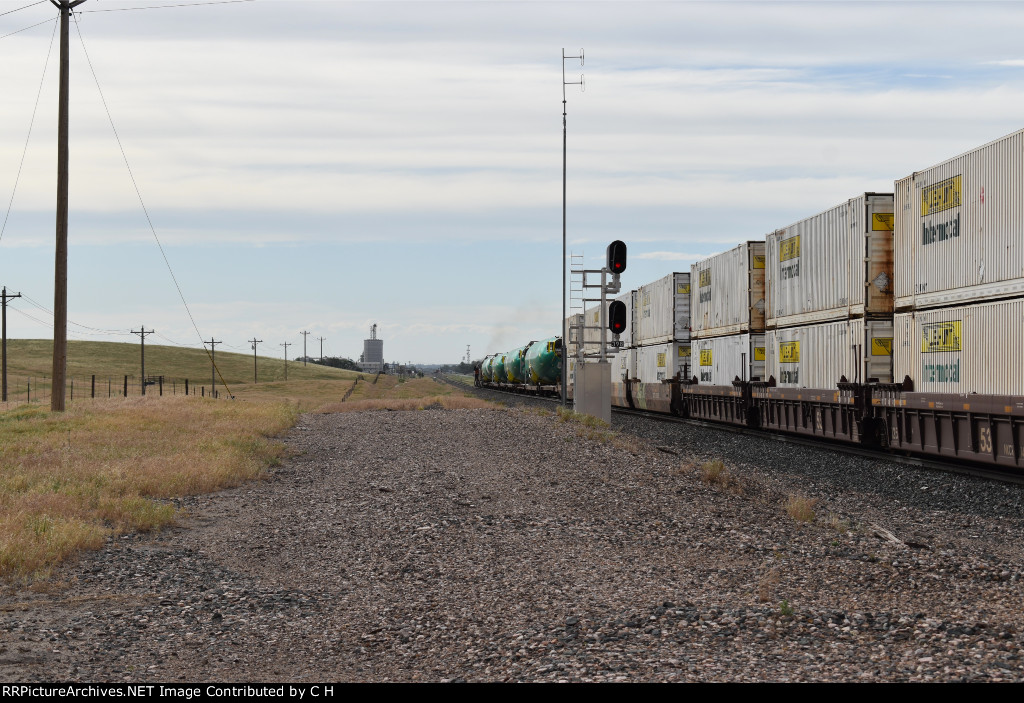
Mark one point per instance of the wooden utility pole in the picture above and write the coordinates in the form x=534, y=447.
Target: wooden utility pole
x=321, y=349
x=304, y=334
x=142, y=333
x=254, y=342
x=60, y=284
x=213, y=367
x=286, y=345
x=3, y=372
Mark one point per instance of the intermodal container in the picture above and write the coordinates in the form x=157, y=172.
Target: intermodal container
x=819, y=356
x=658, y=362
x=834, y=265
x=962, y=349
x=717, y=361
x=662, y=310
x=727, y=292
x=959, y=228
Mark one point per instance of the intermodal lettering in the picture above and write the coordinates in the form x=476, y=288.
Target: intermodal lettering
x=940, y=231
x=940, y=196
x=941, y=337
x=705, y=357
x=758, y=353
x=941, y=373
x=661, y=360
x=705, y=278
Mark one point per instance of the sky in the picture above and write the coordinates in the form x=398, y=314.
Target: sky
x=323, y=166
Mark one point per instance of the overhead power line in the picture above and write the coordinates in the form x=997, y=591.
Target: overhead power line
x=25, y=29
x=31, y=124
x=22, y=8
x=164, y=7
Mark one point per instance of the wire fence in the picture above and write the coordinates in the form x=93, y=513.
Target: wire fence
x=38, y=389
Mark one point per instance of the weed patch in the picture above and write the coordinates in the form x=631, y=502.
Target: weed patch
x=801, y=508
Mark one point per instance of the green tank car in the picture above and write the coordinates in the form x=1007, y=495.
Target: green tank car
x=544, y=362
x=514, y=366
x=498, y=369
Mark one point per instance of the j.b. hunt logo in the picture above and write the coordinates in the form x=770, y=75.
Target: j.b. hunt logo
x=936, y=198
x=789, y=250
x=704, y=281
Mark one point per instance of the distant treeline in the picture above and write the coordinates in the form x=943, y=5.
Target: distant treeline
x=337, y=362
x=461, y=367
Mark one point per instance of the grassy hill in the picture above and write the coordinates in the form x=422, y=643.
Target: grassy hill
x=34, y=358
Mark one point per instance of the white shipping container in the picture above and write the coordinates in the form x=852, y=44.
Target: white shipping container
x=719, y=360
x=658, y=362
x=963, y=349
x=727, y=292
x=818, y=356
x=662, y=310
x=571, y=333
x=592, y=334
x=835, y=264
x=959, y=228
x=623, y=365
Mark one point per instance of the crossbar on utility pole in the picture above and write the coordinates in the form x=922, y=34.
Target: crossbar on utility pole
x=213, y=366
x=3, y=372
x=254, y=342
x=286, y=345
x=142, y=333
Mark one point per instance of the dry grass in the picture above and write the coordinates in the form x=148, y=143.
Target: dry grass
x=714, y=473
x=801, y=508
x=766, y=585
x=68, y=480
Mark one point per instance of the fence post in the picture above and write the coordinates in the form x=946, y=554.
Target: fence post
x=126, y=386
x=161, y=385
x=203, y=389
x=108, y=387
x=94, y=385
x=186, y=386
x=28, y=391
x=72, y=389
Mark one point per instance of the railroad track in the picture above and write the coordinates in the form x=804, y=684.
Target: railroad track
x=961, y=468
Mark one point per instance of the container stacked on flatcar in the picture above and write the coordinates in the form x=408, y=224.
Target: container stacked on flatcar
x=661, y=340
x=959, y=241
x=728, y=313
x=829, y=301
x=621, y=360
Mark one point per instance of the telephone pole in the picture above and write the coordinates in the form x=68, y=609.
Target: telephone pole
x=286, y=345
x=562, y=325
x=321, y=349
x=304, y=346
x=213, y=367
x=60, y=275
x=5, y=297
x=142, y=333
x=254, y=342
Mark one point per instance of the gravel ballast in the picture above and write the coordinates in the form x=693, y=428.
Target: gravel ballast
x=506, y=545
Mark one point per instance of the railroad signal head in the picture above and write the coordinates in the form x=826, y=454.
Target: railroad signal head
x=617, y=317
x=617, y=256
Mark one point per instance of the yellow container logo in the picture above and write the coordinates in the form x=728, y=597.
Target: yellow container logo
x=758, y=353
x=789, y=248
x=940, y=337
x=940, y=196
x=705, y=278
x=661, y=360
x=684, y=351
x=881, y=222
x=705, y=357
x=647, y=299
x=881, y=346
x=759, y=261
x=597, y=316
x=789, y=352
x=683, y=289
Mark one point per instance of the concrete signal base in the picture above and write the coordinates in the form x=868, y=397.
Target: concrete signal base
x=592, y=394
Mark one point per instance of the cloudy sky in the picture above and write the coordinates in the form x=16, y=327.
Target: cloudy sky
x=326, y=165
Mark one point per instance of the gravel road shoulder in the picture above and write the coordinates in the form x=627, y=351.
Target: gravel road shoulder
x=502, y=545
